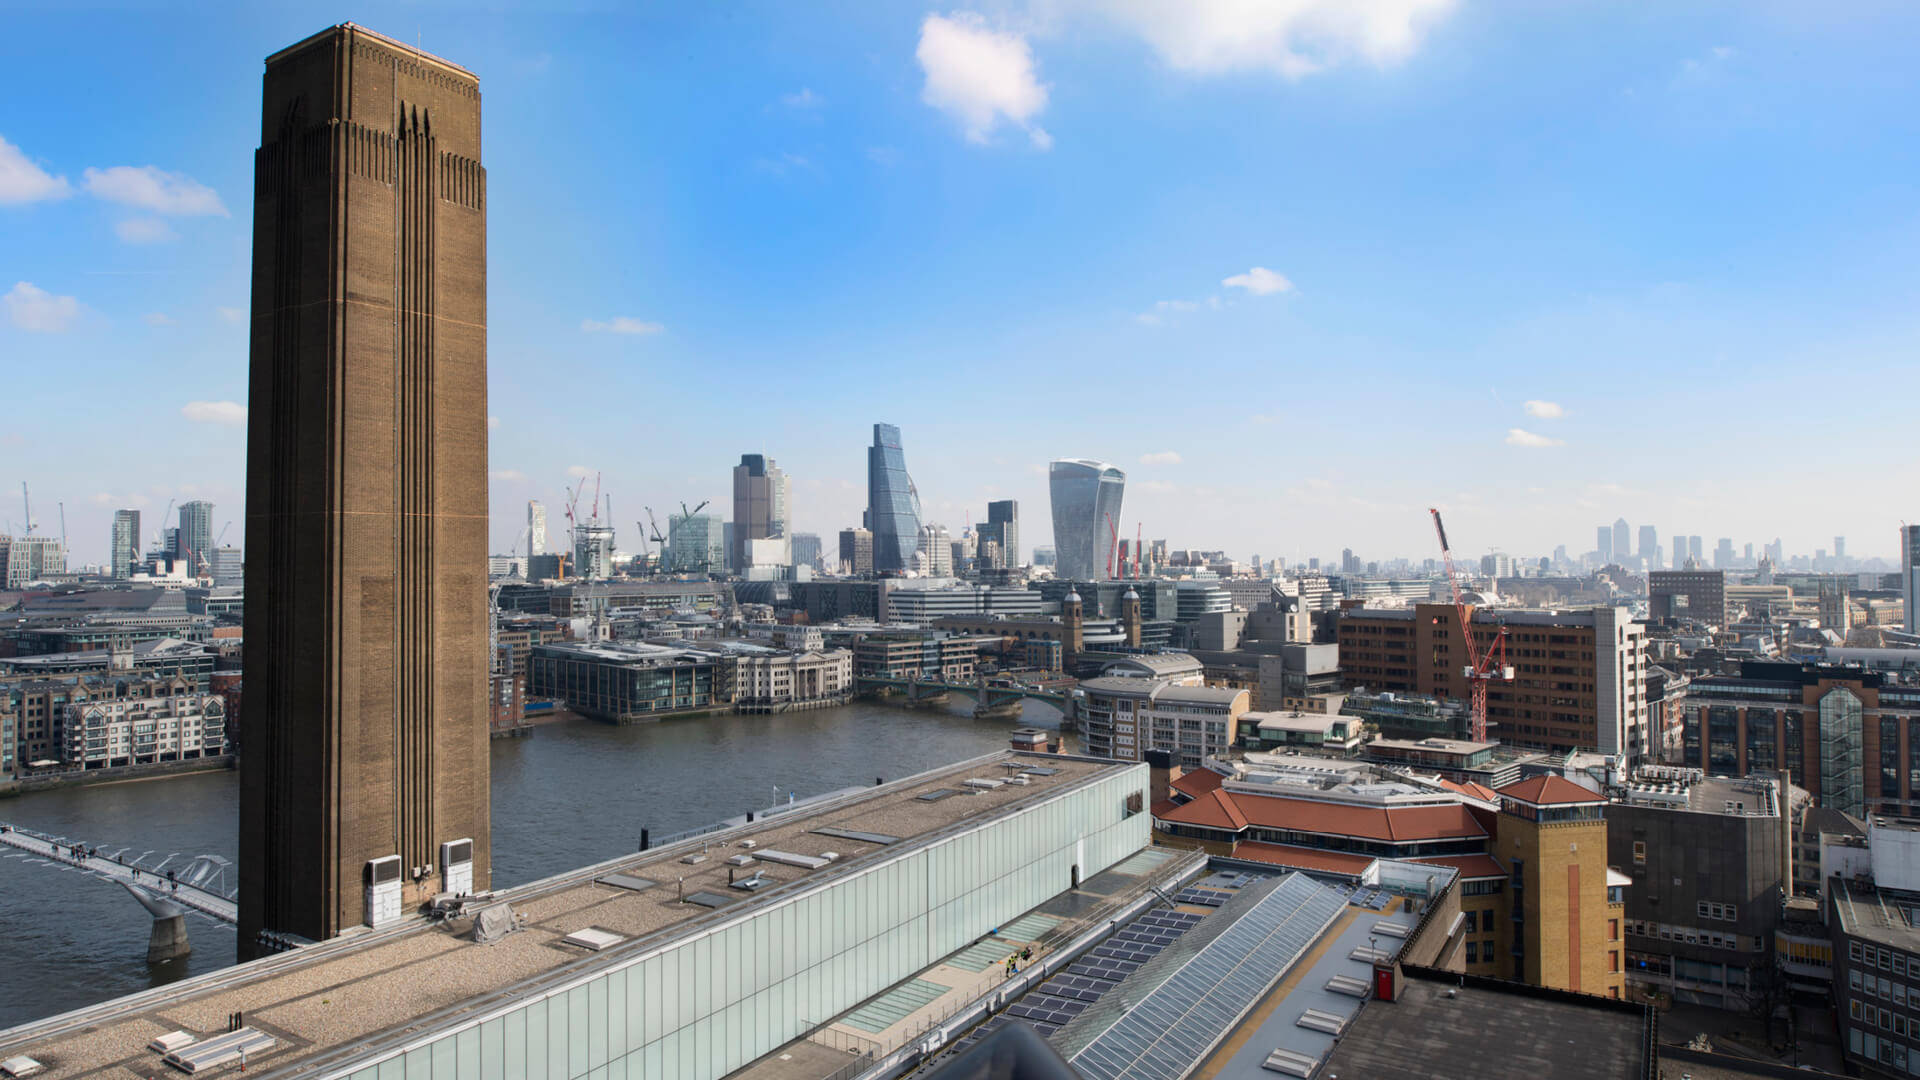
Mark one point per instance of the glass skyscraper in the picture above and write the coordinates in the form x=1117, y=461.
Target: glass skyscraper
x=1086, y=510
x=893, y=506
x=126, y=542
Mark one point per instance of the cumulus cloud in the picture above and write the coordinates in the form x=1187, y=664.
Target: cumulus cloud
x=621, y=324
x=1545, y=410
x=804, y=98
x=884, y=156
x=1292, y=38
x=981, y=77
x=508, y=474
x=144, y=231
x=224, y=413
x=1161, y=457
x=1259, y=281
x=1523, y=437
x=154, y=189
x=578, y=471
x=230, y=314
x=31, y=308
x=22, y=181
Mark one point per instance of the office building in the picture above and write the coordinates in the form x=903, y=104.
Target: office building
x=226, y=567
x=761, y=493
x=856, y=551
x=126, y=543
x=366, y=659
x=1043, y=555
x=1723, y=554
x=1622, y=542
x=626, y=682
x=1876, y=950
x=1673, y=595
x=1603, y=541
x=1649, y=546
x=536, y=528
x=1552, y=835
x=195, y=535
x=1579, y=676
x=593, y=551
x=805, y=549
x=1709, y=859
x=696, y=544
x=1001, y=528
x=1086, y=497
x=1125, y=716
x=893, y=505
x=116, y=722
x=26, y=559
x=1910, y=575
x=935, y=557
x=1696, y=549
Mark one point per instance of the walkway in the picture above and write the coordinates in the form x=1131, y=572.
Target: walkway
x=206, y=902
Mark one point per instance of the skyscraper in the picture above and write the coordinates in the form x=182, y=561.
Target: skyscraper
x=195, y=538
x=126, y=542
x=761, y=492
x=1910, y=575
x=697, y=544
x=1002, y=527
x=363, y=791
x=1603, y=541
x=1696, y=548
x=935, y=556
x=856, y=551
x=536, y=528
x=1622, y=541
x=893, y=506
x=1649, y=546
x=1086, y=499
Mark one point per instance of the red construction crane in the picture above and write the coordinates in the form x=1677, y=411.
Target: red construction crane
x=1483, y=665
x=1113, y=546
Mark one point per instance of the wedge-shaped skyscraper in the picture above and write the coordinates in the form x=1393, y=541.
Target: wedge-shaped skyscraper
x=1086, y=512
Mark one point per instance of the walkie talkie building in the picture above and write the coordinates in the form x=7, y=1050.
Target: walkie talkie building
x=1086, y=511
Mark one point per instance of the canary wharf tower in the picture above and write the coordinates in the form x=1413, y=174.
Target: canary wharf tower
x=364, y=767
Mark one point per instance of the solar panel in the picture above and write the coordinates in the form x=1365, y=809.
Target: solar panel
x=707, y=899
x=936, y=796
x=856, y=834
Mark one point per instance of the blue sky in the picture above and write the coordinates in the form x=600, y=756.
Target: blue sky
x=1299, y=267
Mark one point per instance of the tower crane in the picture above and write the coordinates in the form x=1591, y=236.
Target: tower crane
x=160, y=529
x=1484, y=665
x=223, y=533
x=26, y=505
x=1113, y=546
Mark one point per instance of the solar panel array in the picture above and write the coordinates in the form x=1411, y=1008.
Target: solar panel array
x=1169, y=1030
x=1067, y=994
x=1203, y=897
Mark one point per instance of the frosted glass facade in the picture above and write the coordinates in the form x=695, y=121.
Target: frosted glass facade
x=707, y=1005
x=1086, y=512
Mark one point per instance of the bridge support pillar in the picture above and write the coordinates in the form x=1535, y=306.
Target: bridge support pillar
x=169, y=939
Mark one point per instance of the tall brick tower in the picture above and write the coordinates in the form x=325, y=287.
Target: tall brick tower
x=364, y=764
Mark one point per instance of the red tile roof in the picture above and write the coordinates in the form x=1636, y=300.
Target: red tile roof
x=1299, y=858
x=1549, y=791
x=1470, y=866
x=1397, y=824
x=1472, y=790
x=1198, y=782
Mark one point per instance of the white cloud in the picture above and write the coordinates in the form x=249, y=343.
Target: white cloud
x=1161, y=457
x=493, y=423
x=1545, y=410
x=21, y=181
x=1259, y=281
x=804, y=98
x=157, y=318
x=1157, y=316
x=224, y=413
x=621, y=324
x=1723, y=52
x=981, y=76
x=578, y=471
x=508, y=474
x=230, y=314
x=784, y=164
x=884, y=156
x=1293, y=38
x=144, y=231
x=154, y=189
x=38, y=310
x=1523, y=437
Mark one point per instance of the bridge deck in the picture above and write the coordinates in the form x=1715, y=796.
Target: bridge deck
x=187, y=896
x=336, y=1000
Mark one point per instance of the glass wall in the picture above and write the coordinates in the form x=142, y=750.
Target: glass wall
x=1842, y=746
x=1723, y=730
x=1762, y=730
x=707, y=1005
x=1086, y=499
x=893, y=506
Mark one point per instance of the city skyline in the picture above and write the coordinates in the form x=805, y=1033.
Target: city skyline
x=1694, y=284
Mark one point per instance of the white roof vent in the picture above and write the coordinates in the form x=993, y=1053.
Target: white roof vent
x=20, y=1066
x=594, y=939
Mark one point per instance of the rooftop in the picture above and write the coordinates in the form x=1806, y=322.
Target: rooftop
x=1550, y=791
x=390, y=985
x=1880, y=915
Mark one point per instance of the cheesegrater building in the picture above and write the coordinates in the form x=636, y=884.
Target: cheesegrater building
x=366, y=769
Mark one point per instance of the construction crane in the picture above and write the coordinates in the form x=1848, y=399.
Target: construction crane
x=1113, y=533
x=223, y=534
x=1483, y=665
x=26, y=505
x=160, y=529
x=63, y=524
x=705, y=561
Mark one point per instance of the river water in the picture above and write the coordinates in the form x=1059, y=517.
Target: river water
x=575, y=792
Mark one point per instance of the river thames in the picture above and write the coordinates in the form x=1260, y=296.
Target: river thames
x=573, y=793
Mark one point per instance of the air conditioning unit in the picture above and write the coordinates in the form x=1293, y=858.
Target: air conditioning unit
x=456, y=867
x=383, y=890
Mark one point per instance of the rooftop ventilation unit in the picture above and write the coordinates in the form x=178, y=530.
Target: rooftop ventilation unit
x=226, y=1048
x=20, y=1066
x=1348, y=985
x=456, y=867
x=383, y=890
x=171, y=1041
x=1321, y=1020
x=1291, y=1063
x=591, y=938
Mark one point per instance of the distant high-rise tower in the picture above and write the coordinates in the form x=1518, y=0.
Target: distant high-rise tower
x=363, y=789
x=1603, y=541
x=761, y=491
x=126, y=542
x=195, y=538
x=1839, y=553
x=536, y=528
x=893, y=506
x=1649, y=546
x=1910, y=575
x=1696, y=548
x=1622, y=541
x=856, y=551
x=936, y=551
x=1002, y=528
x=1086, y=498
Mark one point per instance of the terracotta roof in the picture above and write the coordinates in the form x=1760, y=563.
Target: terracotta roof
x=1470, y=866
x=1549, y=790
x=1198, y=782
x=1300, y=858
x=1472, y=789
x=1398, y=824
x=1161, y=808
